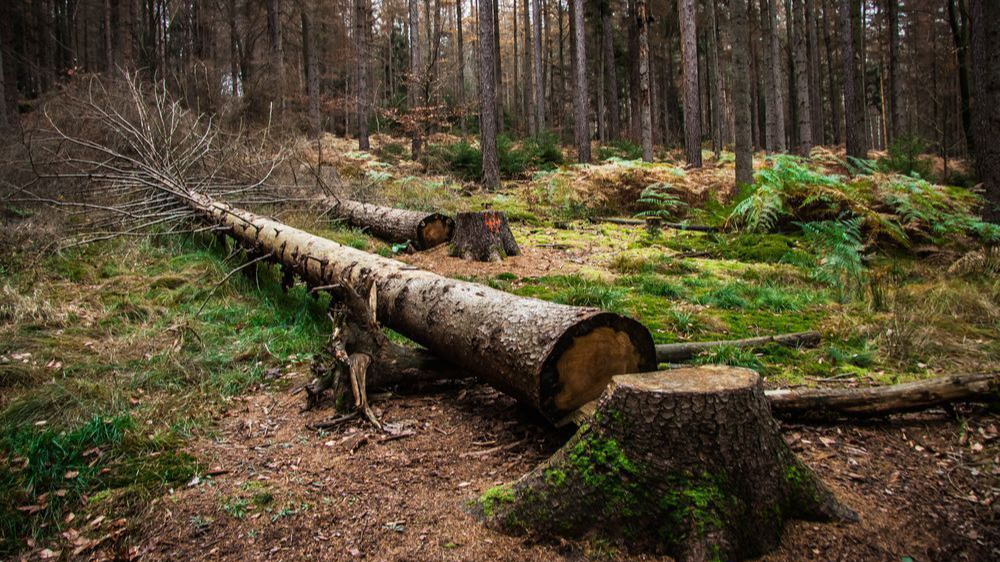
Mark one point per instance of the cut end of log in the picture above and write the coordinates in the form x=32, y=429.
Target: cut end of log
x=589, y=354
x=434, y=230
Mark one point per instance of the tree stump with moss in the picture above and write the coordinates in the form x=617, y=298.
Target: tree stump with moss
x=483, y=236
x=688, y=462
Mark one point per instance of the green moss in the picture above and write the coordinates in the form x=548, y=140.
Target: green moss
x=494, y=498
x=555, y=477
x=695, y=500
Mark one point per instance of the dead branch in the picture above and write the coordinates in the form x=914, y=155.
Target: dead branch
x=673, y=352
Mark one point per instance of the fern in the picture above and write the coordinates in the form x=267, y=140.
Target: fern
x=984, y=262
x=663, y=203
x=840, y=245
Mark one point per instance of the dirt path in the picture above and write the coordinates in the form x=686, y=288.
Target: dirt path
x=354, y=494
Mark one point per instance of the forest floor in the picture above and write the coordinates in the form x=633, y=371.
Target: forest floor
x=145, y=414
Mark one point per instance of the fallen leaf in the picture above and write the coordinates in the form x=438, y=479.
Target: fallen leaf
x=71, y=474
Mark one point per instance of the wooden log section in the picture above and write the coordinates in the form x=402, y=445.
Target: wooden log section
x=423, y=230
x=673, y=352
x=552, y=357
x=688, y=462
x=876, y=401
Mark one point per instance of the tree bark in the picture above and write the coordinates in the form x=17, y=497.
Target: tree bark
x=552, y=357
x=415, y=79
x=986, y=67
x=714, y=77
x=362, y=28
x=675, y=352
x=645, y=112
x=312, y=68
x=4, y=112
x=276, y=51
x=688, y=461
x=610, y=74
x=423, y=230
x=854, y=104
x=815, y=73
x=775, y=84
x=895, y=82
x=877, y=401
x=741, y=92
x=960, y=35
x=537, y=68
x=581, y=94
x=834, y=88
x=488, y=97
x=461, y=63
x=483, y=236
x=800, y=43
x=692, y=100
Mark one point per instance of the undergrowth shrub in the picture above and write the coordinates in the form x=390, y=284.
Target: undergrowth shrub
x=465, y=161
x=838, y=245
x=659, y=201
x=622, y=148
x=906, y=156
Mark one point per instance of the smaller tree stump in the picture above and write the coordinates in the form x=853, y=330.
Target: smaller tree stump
x=688, y=462
x=483, y=236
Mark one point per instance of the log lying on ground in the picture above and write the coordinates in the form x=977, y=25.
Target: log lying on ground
x=423, y=230
x=688, y=461
x=673, y=352
x=832, y=404
x=483, y=236
x=552, y=357
x=661, y=224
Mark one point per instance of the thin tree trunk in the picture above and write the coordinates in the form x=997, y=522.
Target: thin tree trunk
x=831, y=70
x=692, y=101
x=775, y=118
x=538, y=69
x=802, y=96
x=854, y=105
x=815, y=73
x=741, y=92
x=895, y=84
x=581, y=94
x=312, y=67
x=645, y=113
x=487, y=97
x=986, y=68
x=461, y=64
x=362, y=28
x=714, y=77
x=960, y=34
x=276, y=50
x=416, y=79
x=527, y=106
x=234, y=54
x=4, y=112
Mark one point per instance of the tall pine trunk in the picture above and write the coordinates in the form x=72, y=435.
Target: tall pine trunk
x=986, y=69
x=581, y=94
x=741, y=92
x=802, y=97
x=831, y=71
x=815, y=73
x=311, y=61
x=775, y=119
x=610, y=74
x=538, y=69
x=960, y=34
x=416, y=78
x=692, y=102
x=854, y=104
x=461, y=64
x=488, y=96
x=714, y=76
x=645, y=112
x=362, y=28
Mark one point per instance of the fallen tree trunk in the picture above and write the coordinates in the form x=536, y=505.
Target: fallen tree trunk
x=552, y=357
x=661, y=224
x=673, y=352
x=423, y=230
x=688, y=461
x=832, y=404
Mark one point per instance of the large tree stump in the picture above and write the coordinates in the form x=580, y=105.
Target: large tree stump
x=688, y=462
x=483, y=236
x=422, y=230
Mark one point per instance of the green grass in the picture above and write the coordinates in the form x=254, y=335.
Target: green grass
x=139, y=372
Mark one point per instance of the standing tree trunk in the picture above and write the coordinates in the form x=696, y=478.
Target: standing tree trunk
x=415, y=80
x=4, y=113
x=688, y=461
x=831, y=71
x=775, y=85
x=815, y=73
x=234, y=49
x=276, y=52
x=960, y=34
x=714, y=77
x=483, y=236
x=741, y=92
x=645, y=113
x=610, y=74
x=362, y=27
x=692, y=100
x=854, y=103
x=488, y=97
x=311, y=61
x=461, y=64
x=581, y=95
x=800, y=45
x=895, y=83
x=539, y=70
x=986, y=69
x=527, y=107
x=109, y=51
